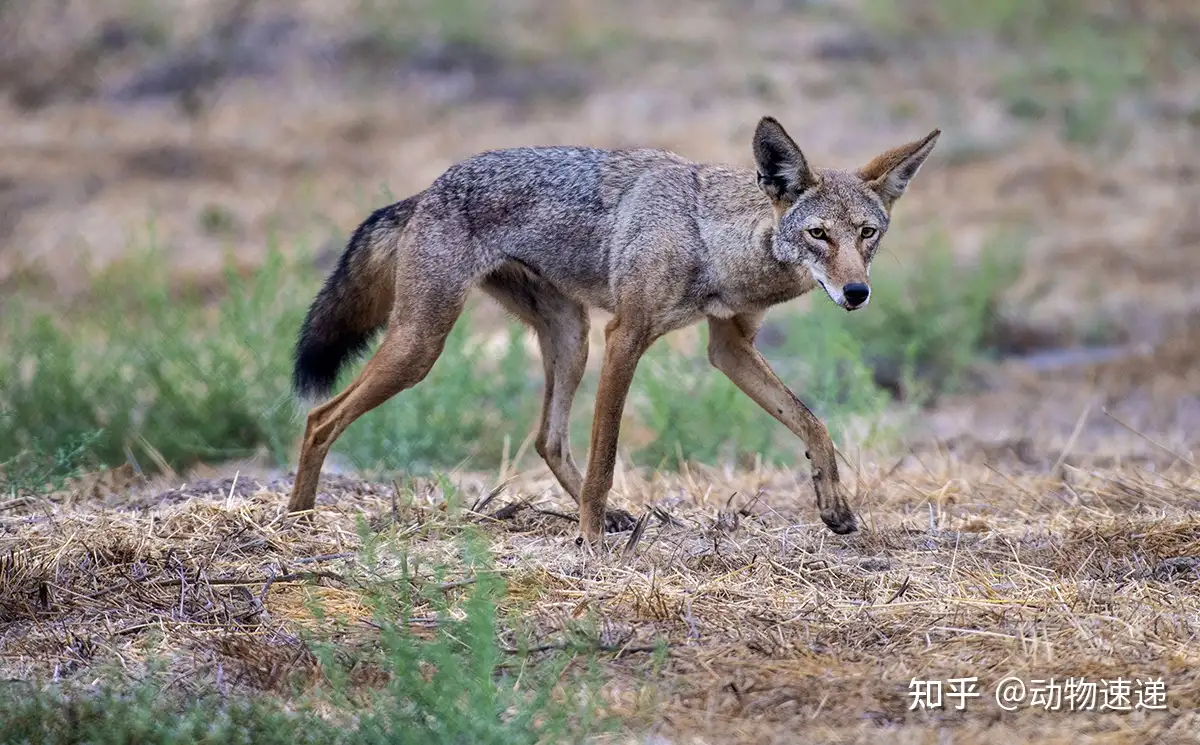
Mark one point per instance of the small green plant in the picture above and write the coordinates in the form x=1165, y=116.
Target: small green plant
x=147, y=712
x=40, y=469
x=460, y=686
x=154, y=372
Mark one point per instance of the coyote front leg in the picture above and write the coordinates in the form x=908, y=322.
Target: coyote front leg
x=731, y=350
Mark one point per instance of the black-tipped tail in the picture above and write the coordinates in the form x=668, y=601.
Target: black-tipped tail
x=353, y=304
x=321, y=354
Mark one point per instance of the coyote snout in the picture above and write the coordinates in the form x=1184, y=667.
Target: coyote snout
x=851, y=295
x=856, y=295
x=658, y=241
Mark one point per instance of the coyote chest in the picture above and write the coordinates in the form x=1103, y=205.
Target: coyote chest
x=760, y=298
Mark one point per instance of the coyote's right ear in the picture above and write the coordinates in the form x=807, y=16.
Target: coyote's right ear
x=783, y=173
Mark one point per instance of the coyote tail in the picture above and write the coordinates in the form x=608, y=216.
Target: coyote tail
x=353, y=304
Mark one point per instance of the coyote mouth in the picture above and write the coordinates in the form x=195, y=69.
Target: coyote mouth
x=840, y=302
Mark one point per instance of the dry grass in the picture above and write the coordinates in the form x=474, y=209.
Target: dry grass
x=1032, y=547
x=774, y=627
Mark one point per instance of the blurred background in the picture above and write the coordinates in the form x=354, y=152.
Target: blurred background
x=177, y=175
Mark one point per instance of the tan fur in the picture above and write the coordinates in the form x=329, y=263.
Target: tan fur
x=657, y=240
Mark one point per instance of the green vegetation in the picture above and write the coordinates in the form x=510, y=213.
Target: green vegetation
x=165, y=378
x=461, y=686
x=1074, y=60
x=38, y=469
x=476, y=31
x=400, y=25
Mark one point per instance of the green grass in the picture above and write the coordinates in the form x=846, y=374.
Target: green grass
x=400, y=25
x=158, y=377
x=490, y=32
x=39, y=469
x=1072, y=63
x=461, y=686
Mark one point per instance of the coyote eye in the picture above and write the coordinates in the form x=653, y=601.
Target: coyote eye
x=818, y=233
x=867, y=232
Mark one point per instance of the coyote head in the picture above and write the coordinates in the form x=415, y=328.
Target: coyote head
x=831, y=221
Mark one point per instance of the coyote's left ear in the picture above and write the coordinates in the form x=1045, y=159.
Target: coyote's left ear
x=889, y=173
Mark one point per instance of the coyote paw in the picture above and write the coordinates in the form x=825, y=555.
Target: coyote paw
x=840, y=520
x=618, y=521
x=591, y=539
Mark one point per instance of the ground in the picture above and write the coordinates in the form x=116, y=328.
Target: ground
x=1040, y=524
x=773, y=626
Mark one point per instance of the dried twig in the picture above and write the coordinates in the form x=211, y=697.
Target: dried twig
x=1152, y=441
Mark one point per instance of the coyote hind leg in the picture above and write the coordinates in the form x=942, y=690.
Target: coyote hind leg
x=561, y=325
x=410, y=348
x=625, y=342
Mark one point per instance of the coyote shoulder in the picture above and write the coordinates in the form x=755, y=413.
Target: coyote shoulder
x=657, y=240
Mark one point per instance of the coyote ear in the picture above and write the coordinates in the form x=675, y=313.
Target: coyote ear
x=783, y=173
x=889, y=173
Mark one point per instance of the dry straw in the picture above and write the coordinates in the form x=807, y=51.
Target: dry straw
x=775, y=629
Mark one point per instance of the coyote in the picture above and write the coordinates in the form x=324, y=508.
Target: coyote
x=657, y=240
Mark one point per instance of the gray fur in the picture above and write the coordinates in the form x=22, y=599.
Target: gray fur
x=657, y=240
x=601, y=224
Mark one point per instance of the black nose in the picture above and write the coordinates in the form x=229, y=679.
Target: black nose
x=856, y=293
